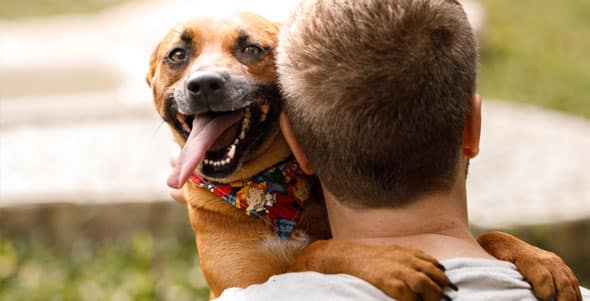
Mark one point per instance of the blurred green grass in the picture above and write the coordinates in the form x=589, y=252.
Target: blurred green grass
x=12, y=9
x=537, y=52
x=143, y=266
x=147, y=265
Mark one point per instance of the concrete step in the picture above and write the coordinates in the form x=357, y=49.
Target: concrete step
x=103, y=161
x=532, y=168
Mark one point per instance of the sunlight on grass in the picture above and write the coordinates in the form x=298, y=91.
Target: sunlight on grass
x=536, y=51
x=144, y=267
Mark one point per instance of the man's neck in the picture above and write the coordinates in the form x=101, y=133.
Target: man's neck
x=436, y=224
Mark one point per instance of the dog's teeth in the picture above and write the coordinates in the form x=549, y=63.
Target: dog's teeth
x=245, y=125
x=243, y=135
x=232, y=152
x=236, y=142
x=207, y=162
x=246, y=121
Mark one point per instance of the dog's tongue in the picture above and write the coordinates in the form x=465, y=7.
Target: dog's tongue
x=206, y=130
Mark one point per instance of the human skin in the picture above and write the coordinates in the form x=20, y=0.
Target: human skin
x=446, y=233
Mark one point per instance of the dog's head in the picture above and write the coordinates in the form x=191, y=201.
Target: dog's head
x=214, y=83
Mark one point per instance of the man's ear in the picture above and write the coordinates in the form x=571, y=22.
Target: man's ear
x=153, y=65
x=294, y=145
x=472, y=128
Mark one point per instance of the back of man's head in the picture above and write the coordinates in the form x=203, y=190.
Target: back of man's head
x=377, y=92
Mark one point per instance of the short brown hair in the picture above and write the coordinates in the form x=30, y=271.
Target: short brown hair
x=377, y=92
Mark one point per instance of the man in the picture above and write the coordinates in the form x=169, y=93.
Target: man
x=381, y=106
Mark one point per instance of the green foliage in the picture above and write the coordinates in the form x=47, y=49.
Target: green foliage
x=144, y=267
x=536, y=51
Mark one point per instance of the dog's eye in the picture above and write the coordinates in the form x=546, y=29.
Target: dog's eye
x=253, y=51
x=177, y=55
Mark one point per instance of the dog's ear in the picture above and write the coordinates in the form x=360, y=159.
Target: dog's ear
x=153, y=65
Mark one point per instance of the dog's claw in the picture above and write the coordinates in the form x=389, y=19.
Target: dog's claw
x=401, y=273
x=548, y=275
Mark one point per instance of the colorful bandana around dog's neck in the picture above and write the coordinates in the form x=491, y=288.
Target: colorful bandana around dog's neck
x=275, y=195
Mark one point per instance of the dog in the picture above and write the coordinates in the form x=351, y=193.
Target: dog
x=253, y=212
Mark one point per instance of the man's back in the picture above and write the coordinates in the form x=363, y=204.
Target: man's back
x=476, y=278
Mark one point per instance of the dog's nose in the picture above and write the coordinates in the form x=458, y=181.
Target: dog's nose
x=205, y=83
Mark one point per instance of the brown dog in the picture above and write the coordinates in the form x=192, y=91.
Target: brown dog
x=214, y=83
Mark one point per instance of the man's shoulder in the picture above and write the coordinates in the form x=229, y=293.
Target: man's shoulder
x=477, y=279
x=486, y=279
x=308, y=286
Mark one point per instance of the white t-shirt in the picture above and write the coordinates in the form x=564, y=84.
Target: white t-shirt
x=477, y=279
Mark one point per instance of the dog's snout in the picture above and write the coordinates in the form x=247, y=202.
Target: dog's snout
x=212, y=90
x=205, y=83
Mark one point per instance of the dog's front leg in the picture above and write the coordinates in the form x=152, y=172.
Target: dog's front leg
x=402, y=273
x=549, y=276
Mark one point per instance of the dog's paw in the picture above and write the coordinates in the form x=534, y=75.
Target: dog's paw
x=549, y=276
x=401, y=273
x=406, y=274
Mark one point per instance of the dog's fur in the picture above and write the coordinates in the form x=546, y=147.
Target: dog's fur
x=236, y=250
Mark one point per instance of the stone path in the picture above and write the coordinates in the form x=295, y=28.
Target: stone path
x=77, y=125
x=534, y=167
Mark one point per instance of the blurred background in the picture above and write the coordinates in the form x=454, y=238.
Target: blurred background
x=84, y=210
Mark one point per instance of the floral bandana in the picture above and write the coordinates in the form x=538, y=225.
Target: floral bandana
x=275, y=195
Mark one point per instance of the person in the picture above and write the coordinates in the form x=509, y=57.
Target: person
x=381, y=104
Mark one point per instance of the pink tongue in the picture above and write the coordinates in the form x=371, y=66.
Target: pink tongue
x=206, y=129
